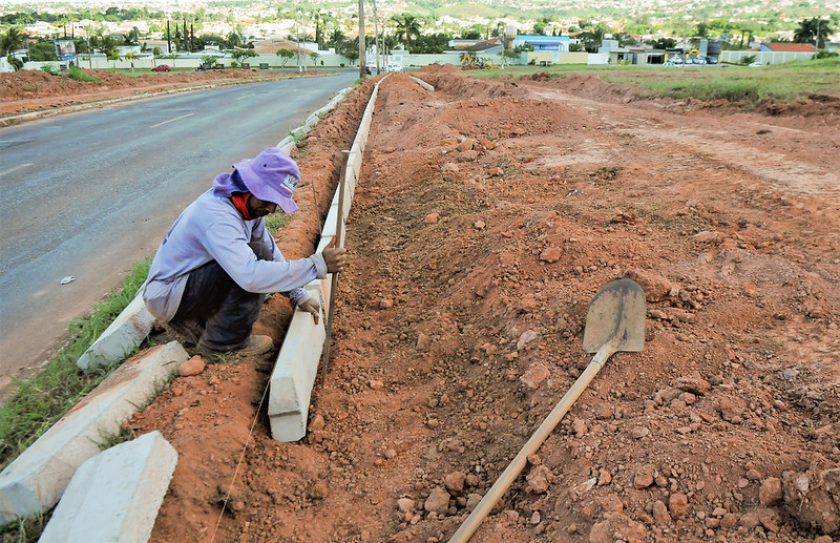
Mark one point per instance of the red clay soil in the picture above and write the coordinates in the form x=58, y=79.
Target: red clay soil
x=488, y=215
x=27, y=90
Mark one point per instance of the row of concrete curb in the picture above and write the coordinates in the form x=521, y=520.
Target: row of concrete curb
x=35, y=481
x=35, y=115
x=422, y=83
x=287, y=143
x=297, y=363
x=135, y=322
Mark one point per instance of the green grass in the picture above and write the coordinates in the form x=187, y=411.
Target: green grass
x=787, y=81
x=79, y=75
x=276, y=221
x=43, y=399
x=24, y=530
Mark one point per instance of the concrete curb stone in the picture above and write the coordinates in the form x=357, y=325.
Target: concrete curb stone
x=116, y=495
x=423, y=84
x=121, y=337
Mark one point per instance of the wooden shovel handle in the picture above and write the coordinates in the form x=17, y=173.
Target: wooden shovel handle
x=468, y=528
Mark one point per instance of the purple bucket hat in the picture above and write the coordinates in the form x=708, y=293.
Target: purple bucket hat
x=271, y=176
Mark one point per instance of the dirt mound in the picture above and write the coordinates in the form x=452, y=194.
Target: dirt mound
x=482, y=227
x=539, y=76
x=814, y=105
x=596, y=88
x=454, y=84
x=29, y=90
x=440, y=69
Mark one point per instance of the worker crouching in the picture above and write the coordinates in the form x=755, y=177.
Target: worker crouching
x=214, y=267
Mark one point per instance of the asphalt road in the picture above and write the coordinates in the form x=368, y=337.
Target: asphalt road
x=90, y=194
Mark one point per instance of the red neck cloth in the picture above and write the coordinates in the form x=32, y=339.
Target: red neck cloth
x=240, y=202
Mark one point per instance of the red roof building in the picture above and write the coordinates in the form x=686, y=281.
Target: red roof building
x=781, y=47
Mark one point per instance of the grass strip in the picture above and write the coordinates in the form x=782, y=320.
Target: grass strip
x=737, y=84
x=43, y=399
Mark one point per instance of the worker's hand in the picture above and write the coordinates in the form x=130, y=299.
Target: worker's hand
x=313, y=307
x=335, y=258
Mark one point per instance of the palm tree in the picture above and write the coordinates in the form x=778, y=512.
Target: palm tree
x=813, y=30
x=11, y=41
x=408, y=26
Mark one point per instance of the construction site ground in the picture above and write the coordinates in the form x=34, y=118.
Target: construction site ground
x=487, y=216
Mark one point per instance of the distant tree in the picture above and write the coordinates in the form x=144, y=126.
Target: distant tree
x=702, y=29
x=15, y=62
x=813, y=30
x=240, y=54
x=286, y=55
x=234, y=39
x=81, y=45
x=314, y=56
x=336, y=39
x=471, y=35
x=209, y=60
x=43, y=51
x=350, y=49
x=12, y=40
x=132, y=38
x=157, y=51
x=408, y=27
x=321, y=20
x=430, y=44
x=540, y=25
x=663, y=43
x=625, y=40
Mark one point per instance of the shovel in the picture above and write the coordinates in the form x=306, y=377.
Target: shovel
x=615, y=322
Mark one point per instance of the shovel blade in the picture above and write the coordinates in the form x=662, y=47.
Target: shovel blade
x=616, y=316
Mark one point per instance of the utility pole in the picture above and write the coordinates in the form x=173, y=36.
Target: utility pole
x=168, y=39
x=817, y=35
x=376, y=36
x=90, y=49
x=297, y=37
x=362, y=60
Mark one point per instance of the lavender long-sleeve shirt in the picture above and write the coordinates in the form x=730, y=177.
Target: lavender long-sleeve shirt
x=212, y=229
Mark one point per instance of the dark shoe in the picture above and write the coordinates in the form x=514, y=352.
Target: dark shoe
x=253, y=346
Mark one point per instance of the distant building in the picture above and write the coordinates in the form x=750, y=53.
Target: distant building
x=783, y=47
x=547, y=44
